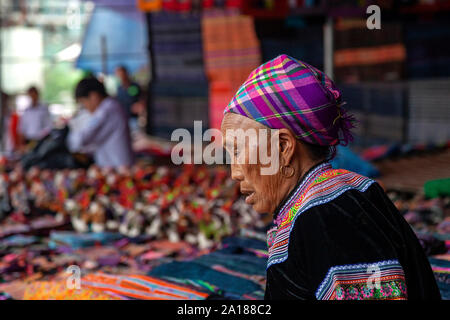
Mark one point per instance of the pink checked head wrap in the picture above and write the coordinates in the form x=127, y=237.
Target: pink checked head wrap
x=288, y=93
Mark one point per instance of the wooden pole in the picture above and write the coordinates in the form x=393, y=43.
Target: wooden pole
x=328, y=48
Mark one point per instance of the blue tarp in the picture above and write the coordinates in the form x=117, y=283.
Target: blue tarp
x=347, y=159
x=125, y=31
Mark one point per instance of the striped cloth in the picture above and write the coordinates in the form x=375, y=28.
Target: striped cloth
x=231, y=50
x=441, y=269
x=288, y=93
x=140, y=287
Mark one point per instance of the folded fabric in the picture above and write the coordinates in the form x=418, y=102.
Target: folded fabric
x=77, y=240
x=5, y=296
x=441, y=270
x=18, y=240
x=47, y=222
x=259, y=279
x=444, y=226
x=437, y=188
x=430, y=244
x=375, y=153
x=140, y=287
x=260, y=253
x=58, y=290
x=9, y=230
x=245, y=242
x=195, y=271
x=152, y=255
x=250, y=265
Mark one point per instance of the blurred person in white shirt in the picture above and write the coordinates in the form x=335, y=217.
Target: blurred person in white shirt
x=106, y=132
x=36, y=121
x=79, y=120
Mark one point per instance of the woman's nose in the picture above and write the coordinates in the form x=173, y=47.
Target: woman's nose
x=236, y=172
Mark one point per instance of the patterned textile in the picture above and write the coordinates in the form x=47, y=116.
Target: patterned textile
x=5, y=296
x=369, y=56
x=231, y=50
x=441, y=270
x=180, y=88
x=321, y=185
x=381, y=280
x=288, y=93
x=255, y=278
x=177, y=47
x=192, y=270
x=140, y=287
x=57, y=290
x=77, y=240
x=247, y=263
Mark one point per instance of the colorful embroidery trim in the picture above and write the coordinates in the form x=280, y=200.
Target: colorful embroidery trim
x=383, y=280
x=320, y=186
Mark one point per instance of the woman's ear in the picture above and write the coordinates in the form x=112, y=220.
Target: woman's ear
x=287, y=143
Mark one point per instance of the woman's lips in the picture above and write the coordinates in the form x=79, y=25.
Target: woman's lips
x=249, y=195
x=249, y=198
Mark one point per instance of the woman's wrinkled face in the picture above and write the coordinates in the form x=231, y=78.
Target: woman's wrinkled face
x=260, y=190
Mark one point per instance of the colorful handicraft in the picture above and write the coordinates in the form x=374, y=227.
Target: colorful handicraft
x=385, y=281
x=191, y=203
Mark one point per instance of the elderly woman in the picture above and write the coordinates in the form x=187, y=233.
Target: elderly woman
x=335, y=234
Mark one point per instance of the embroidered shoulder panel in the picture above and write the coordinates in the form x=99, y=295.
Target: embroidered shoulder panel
x=320, y=186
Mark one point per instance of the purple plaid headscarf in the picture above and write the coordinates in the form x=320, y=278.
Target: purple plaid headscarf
x=288, y=93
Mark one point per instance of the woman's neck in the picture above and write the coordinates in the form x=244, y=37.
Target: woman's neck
x=288, y=185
